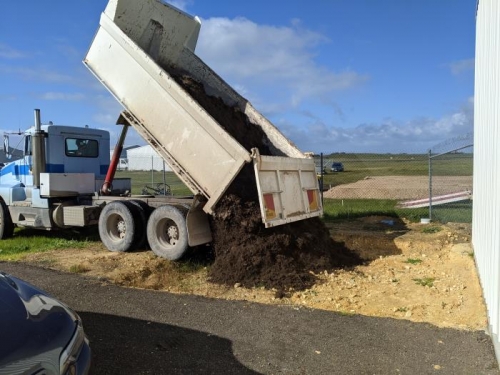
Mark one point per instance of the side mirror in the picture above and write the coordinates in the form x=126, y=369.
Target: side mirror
x=6, y=148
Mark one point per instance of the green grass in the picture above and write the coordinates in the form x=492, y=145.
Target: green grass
x=341, y=209
x=426, y=281
x=431, y=229
x=26, y=241
x=358, y=166
x=335, y=209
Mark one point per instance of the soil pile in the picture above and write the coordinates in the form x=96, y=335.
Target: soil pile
x=285, y=257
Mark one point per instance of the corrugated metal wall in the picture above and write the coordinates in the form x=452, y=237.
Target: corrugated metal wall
x=486, y=208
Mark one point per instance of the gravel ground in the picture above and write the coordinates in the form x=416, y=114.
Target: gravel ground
x=399, y=187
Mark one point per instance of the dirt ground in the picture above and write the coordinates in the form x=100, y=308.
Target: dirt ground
x=419, y=272
x=400, y=187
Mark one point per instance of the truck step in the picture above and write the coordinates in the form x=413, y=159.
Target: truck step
x=24, y=203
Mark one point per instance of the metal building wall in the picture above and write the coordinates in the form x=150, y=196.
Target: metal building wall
x=486, y=207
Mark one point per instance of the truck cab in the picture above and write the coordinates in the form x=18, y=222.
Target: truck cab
x=61, y=165
x=67, y=150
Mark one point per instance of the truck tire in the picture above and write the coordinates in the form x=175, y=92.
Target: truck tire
x=6, y=225
x=117, y=227
x=141, y=221
x=167, y=232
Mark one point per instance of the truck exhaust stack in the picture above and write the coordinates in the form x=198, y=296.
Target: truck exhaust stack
x=38, y=150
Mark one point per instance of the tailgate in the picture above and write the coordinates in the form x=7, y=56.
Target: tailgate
x=288, y=189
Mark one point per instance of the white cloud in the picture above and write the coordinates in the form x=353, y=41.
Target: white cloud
x=414, y=136
x=461, y=66
x=62, y=96
x=8, y=52
x=37, y=74
x=281, y=58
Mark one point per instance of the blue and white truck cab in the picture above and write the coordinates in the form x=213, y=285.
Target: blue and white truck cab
x=67, y=150
x=62, y=166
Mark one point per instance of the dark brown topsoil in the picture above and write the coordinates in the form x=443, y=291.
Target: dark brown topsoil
x=246, y=253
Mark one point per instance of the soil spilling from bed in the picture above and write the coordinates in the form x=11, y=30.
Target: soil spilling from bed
x=285, y=257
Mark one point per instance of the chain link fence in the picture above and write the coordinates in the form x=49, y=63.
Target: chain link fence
x=450, y=176
x=436, y=184
x=150, y=175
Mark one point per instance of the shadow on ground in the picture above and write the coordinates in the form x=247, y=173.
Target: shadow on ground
x=369, y=237
x=129, y=346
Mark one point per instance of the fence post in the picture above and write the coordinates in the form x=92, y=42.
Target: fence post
x=321, y=179
x=430, y=185
x=164, y=179
x=152, y=171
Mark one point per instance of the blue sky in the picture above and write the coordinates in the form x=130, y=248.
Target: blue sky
x=333, y=75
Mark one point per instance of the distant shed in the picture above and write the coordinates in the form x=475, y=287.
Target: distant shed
x=144, y=158
x=486, y=207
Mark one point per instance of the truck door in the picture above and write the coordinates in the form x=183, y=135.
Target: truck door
x=25, y=167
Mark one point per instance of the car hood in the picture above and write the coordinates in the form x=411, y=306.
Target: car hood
x=34, y=326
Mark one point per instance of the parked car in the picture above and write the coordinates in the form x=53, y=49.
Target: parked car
x=39, y=334
x=337, y=167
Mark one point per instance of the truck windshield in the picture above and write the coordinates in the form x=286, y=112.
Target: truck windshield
x=80, y=147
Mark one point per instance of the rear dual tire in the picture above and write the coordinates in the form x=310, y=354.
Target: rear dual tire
x=167, y=232
x=125, y=225
x=117, y=226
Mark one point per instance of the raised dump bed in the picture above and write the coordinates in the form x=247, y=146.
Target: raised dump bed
x=143, y=52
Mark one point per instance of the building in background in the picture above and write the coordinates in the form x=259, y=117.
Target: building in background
x=123, y=163
x=144, y=158
x=486, y=206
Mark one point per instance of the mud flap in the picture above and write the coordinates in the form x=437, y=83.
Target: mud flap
x=197, y=224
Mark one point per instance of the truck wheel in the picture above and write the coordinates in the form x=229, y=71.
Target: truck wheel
x=6, y=225
x=167, y=232
x=116, y=226
x=141, y=221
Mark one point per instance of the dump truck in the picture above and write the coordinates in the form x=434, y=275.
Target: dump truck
x=67, y=179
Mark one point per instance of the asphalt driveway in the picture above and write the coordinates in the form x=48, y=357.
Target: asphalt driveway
x=147, y=332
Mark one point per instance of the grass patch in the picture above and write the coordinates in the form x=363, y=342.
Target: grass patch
x=140, y=179
x=431, y=230
x=29, y=241
x=188, y=266
x=78, y=268
x=426, y=281
x=413, y=261
x=335, y=209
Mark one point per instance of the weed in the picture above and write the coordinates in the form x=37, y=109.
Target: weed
x=395, y=280
x=431, y=229
x=78, y=268
x=188, y=266
x=413, y=261
x=426, y=281
x=402, y=309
